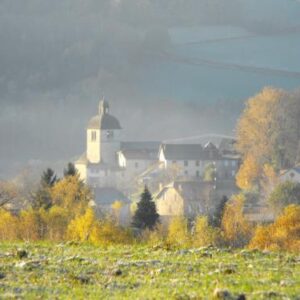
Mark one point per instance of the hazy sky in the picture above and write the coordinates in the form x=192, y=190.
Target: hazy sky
x=157, y=62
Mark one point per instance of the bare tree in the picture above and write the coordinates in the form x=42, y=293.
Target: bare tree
x=8, y=193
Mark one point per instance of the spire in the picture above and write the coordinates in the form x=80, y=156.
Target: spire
x=103, y=107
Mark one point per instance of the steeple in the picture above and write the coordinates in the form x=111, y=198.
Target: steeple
x=103, y=107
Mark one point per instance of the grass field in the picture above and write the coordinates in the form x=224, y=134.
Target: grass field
x=64, y=271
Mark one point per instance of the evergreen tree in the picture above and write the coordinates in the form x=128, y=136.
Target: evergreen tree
x=48, y=178
x=70, y=170
x=42, y=198
x=146, y=215
x=216, y=218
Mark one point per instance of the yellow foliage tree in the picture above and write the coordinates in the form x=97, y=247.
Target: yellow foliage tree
x=236, y=229
x=117, y=207
x=283, y=234
x=268, y=133
x=71, y=194
x=205, y=234
x=81, y=228
x=248, y=174
x=32, y=226
x=57, y=221
x=178, y=233
x=8, y=226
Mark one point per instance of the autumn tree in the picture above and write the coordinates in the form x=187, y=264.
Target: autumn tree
x=204, y=234
x=237, y=230
x=283, y=234
x=146, y=215
x=209, y=173
x=268, y=133
x=178, y=232
x=72, y=194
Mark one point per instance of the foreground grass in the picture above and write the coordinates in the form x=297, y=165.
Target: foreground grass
x=86, y=272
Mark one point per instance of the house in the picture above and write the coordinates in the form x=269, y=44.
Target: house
x=136, y=157
x=292, y=174
x=104, y=200
x=192, y=197
x=183, y=198
x=190, y=160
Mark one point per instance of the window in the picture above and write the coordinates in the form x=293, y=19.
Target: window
x=226, y=163
x=109, y=134
x=233, y=163
x=197, y=163
x=186, y=173
x=94, y=136
x=197, y=174
x=136, y=165
x=186, y=163
x=232, y=173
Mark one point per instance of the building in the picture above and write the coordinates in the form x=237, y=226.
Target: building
x=292, y=174
x=191, y=160
x=108, y=161
x=191, y=198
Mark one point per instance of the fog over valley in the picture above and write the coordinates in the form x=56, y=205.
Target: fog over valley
x=169, y=69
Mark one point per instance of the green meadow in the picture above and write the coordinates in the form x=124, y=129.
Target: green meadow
x=76, y=271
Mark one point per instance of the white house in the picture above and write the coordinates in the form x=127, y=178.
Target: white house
x=190, y=160
x=292, y=174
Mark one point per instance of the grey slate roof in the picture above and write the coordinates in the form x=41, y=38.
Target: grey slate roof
x=107, y=196
x=190, y=152
x=140, y=150
x=104, y=122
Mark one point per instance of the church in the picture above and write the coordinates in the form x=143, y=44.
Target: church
x=109, y=161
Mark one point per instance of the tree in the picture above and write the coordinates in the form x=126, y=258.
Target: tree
x=209, y=173
x=48, y=178
x=283, y=234
x=268, y=133
x=237, y=230
x=284, y=194
x=117, y=207
x=146, y=215
x=8, y=193
x=178, y=232
x=72, y=194
x=70, y=170
x=216, y=218
x=42, y=197
x=205, y=234
x=247, y=177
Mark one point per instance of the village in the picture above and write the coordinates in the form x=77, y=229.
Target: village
x=185, y=179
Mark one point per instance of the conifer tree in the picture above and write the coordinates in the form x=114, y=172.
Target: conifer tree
x=146, y=215
x=42, y=198
x=70, y=170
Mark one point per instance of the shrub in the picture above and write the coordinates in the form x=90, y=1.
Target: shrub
x=237, y=230
x=32, y=225
x=283, y=234
x=8, y=226
x=204, y=234
x=178, y=233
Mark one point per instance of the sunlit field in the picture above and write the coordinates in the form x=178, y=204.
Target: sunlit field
x=66, y=271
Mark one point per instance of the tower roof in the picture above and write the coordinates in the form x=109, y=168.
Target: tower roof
x=104, y=121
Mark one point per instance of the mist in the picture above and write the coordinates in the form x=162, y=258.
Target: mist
x=168, y=68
